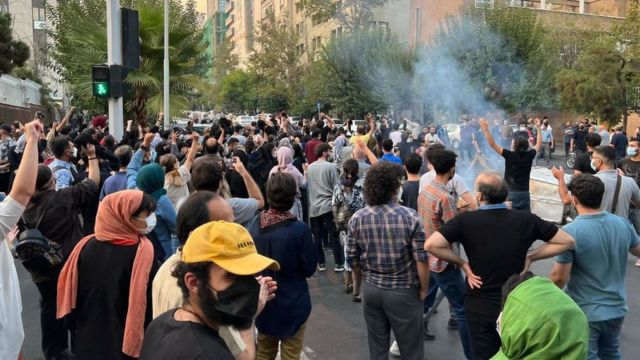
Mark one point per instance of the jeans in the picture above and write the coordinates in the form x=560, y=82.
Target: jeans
x=54, y=334
x=323, y=228
x=634, y=216
x=451, y=282
x=567, y=150
x=604, y=339
x=545, y=153
x=467, y=152
x=520, y=200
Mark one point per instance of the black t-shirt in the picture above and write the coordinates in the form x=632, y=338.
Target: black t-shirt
x=168, y=338
x=583, y=163
x=630, y=168
x=579, y=139
x=517, y=168
x=496, y=243
x=410, y=191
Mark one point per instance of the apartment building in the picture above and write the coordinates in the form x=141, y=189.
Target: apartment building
x=426, y=15
x=245, y=16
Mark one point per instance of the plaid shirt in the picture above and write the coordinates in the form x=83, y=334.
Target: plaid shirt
x=386, y=241
x=437, y=204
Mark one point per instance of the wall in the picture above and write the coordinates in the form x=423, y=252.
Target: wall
x=17, y=92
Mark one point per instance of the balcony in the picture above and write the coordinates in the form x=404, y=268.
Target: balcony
x=230, y=20
x=586, y=7
x=229, y=7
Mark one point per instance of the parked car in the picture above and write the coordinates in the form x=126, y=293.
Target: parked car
x=454, y=135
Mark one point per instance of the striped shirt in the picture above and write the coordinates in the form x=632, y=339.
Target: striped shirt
x=436, y=206
x=386, y=241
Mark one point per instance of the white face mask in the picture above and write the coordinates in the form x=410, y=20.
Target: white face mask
x=151, y=224
x=74, y=153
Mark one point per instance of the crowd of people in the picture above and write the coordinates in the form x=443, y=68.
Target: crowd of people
x=174, y=244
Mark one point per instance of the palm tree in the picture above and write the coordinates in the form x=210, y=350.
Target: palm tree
x=80, y=42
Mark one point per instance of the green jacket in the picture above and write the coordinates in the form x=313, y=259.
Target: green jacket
x=539, y=321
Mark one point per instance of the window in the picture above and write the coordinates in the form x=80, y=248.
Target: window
x=316, y=43
x=418, y=24
x=299, y=28
x=38, y=14
x=300, y=49
x=314, y=21
x=336, y=33
x=4, y=6
x=380, y=25
x=298, y=7
x=484, y=4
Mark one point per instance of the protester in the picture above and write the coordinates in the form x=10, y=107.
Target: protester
x=539, y=321
x=118, y=181
x=630, y=166
x=211, y=147
x=620, y=192
x=216, y=276
x=619, y=142
x=567, y=137
x=285, y=165
x=394, y=269
x=387, y=149
x=594, y=272
x=396, y=134
x=11, y=209
x=582, y=162
x=495, y=240
x=57, y=214
x=347, y=199
x=177, y=176
x=517, y=167
x=310, y=147
x=322, y=178
x=282, y=237
x=411, y=187
x=437, y=206
x=114, y=308
x=64, y=171
x=548, y=144
x=578, y=143
x=361, y=131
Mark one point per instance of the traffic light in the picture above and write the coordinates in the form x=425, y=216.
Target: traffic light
x=100, y=78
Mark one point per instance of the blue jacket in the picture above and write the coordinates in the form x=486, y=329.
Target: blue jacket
x=290, y=243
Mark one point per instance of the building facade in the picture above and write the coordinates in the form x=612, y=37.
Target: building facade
x=245, y=16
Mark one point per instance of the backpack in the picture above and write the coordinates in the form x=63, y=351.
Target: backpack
x=37, y=253
x=341, y=215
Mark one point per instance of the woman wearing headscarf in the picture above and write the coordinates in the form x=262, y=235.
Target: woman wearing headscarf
x=285, y=164
x=150, y=179
x=237, y=188
x=104, y=284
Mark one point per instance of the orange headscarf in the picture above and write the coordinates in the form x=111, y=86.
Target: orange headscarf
x=113, y=224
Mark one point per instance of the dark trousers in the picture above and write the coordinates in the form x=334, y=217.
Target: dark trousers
x=5, y=178
x=399, y=310
x=324, y=229
x=54, y=335
x=485, y=341
x=452, y=284
x=521, y=200
x=567, y=149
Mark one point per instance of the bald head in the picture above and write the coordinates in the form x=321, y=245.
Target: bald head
x=219, y=209
x=211, y=146
x=492, y=188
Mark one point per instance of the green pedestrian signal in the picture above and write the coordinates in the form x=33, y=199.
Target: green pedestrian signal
x=101, y=89
x=100, y=78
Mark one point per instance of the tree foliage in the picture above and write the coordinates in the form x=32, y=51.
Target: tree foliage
x=13, y=53
x=275, y=65
x=79, y=40
x=237, y=93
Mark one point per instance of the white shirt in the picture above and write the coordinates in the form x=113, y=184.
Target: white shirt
x=11, y=330
x=456, y=184
x=396, y=137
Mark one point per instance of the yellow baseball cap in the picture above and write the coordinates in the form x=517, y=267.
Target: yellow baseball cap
x=229, y=246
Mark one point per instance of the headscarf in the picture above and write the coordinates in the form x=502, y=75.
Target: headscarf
x=284, y=142
x=113, y=224
x=151, y=180
x=340, y=142
x=285, y=164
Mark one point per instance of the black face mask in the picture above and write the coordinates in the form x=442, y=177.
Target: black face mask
x=235, y=306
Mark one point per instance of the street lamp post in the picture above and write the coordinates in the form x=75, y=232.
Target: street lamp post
x=114, y=57
x=167, y=116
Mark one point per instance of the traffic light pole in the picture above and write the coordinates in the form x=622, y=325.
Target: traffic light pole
x=114, y=46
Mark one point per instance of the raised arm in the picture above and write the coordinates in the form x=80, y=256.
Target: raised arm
x=252, y=188
x=65, y=119
x=372, y=124
x=94, y=166
x=25, y=181
x=370, y=155
x=538, y=135
x=192, y=151
x=484, y=125
x=563, y=190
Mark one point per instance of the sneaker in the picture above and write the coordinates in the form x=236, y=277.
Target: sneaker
x=338, y=269
x=452, y=324
x=394, y=350
x=638, y=262
x=321, y=267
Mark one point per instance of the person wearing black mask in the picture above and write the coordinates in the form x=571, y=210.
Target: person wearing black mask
x=217, y=283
